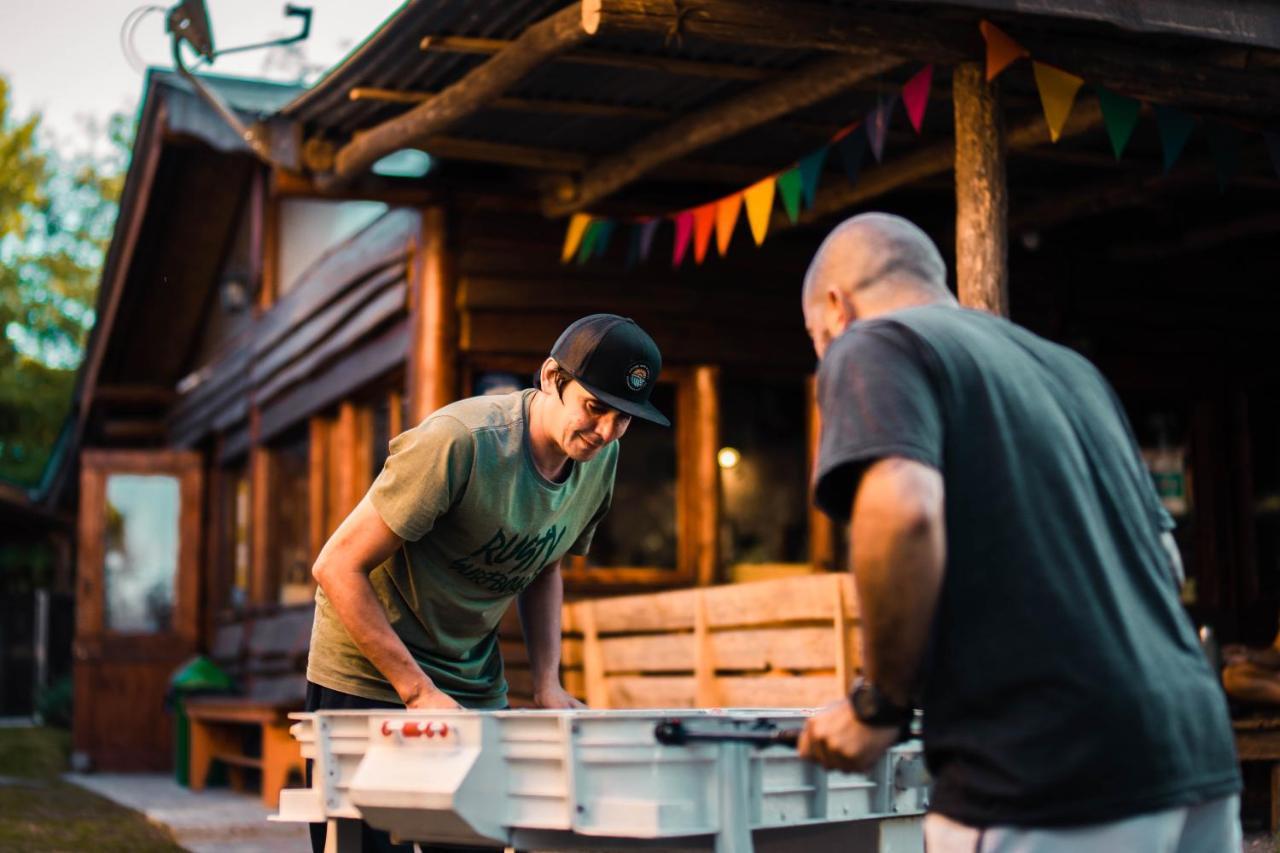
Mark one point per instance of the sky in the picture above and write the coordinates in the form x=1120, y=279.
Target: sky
x=64, y=58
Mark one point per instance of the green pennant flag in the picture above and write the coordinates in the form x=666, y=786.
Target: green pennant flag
x=810, y=171
x=1175, y=129
x=1224, y=143
x=789, y=187
x=586, y=249
x=1120, y=115
x=604, y=233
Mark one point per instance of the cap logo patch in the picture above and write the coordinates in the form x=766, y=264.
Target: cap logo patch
x=638, y=376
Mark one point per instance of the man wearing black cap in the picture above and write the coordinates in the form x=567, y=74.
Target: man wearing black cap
x=478, y=505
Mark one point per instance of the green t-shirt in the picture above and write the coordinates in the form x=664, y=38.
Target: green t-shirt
x=479, y=523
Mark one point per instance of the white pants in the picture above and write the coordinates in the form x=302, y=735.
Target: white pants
x=1212, y=827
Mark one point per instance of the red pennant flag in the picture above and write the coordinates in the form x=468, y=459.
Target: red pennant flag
x=684, y=230
x=915, y=95
x=1002, y=51
x=704, y=220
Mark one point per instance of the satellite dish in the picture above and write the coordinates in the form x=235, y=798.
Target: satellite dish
x=189, y=22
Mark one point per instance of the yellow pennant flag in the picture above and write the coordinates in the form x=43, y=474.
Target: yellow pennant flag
x=573, y=236
x=726, y=217
x=759, y=201
x=1057, y=93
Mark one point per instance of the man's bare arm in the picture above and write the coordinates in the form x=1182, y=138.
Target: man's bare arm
x=359, y=545
x=898, y=543
x=539, y=607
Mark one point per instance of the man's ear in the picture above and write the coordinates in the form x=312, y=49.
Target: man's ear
x=545, y=382
x=838, y=309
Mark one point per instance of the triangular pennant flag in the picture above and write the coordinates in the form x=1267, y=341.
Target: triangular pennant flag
x=1273, y=148
x=1120, y=114
x=684, y=230
x=647, y=229
x=759, y=200
x=1057, y=95
x=1002, y=51
x=853, y=148
x=704, y=220
x=1175, y=129
x=633, y=245
x=877, y=125
x=844, y=131
x=810, y=171
x=789, y=189
x=573, y=235
x=915, y=95
x=604, y=233
x=588, y=246
x=727, y=210
x=1224, y=143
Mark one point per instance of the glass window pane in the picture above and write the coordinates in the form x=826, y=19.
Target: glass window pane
x=291, y=516
x=764, y=485
x=309, y=228
x=640, y=529
x=141, y=553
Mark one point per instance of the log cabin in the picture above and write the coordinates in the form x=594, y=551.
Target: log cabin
x=273, y=311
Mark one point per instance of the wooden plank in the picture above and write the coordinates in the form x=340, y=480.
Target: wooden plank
x=790, y=649
x=360, y=366
x=735, y=605
x=432, y=374
x=642, y=692
x=623, y=295
x=560, y=32
x=387, y=305
x=306, y=336
x=531, y=105
x=705, y=694
x=802, y=691
x=822, y=531
x=318, y=485
x=597, y=690
x=384, y=243
x=262, y=576
x=726, y=118
x=982, y=196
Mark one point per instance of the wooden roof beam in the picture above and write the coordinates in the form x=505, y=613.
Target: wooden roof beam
x=812, y=83
x=560, y=32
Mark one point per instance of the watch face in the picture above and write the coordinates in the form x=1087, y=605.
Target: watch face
x=866, y=701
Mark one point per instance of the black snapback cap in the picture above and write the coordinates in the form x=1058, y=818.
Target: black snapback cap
x=615, y=360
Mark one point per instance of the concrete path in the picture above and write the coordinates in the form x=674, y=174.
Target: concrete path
x=211, y=821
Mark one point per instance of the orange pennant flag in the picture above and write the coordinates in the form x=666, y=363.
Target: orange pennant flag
x=1002, y=51
x=1057, y=93
x=759, y=201
x=704, y=219
x=573, y=236
x=726, y=218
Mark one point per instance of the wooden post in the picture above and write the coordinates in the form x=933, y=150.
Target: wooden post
x=592, y=657
x=705, y=694
x=822, y=533
x=844, y=671
x=706, y=504
x=342, y=455
x=263, y=575
x=318, y=485
x=433, y=317
x=982, y=205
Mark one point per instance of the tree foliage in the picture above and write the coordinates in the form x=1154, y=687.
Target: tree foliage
x=56, y=216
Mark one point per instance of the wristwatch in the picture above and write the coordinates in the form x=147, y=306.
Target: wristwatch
x=873, y=708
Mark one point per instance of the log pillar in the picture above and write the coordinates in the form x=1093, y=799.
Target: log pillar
x=433, y=317
x=982, y=205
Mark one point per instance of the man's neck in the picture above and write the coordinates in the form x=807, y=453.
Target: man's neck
x=548, y=458
x=876, y=305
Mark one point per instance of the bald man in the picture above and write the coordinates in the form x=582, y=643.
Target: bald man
x=1010, y=557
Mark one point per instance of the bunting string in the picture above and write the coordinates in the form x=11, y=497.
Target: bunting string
x=795, y=187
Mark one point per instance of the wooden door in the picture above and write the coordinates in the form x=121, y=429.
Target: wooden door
x=137, y=601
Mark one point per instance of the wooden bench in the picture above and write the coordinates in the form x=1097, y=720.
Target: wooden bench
x=1258, y=739
x=786, y=643
x=250, y=731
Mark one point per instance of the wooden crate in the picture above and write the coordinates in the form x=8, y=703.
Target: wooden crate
x=791, y=642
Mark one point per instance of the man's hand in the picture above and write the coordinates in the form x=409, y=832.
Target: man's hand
x=838, y=740
x=432, y=698
x=555, y=698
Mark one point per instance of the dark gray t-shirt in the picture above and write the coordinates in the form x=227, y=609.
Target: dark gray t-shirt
x=1063, y=683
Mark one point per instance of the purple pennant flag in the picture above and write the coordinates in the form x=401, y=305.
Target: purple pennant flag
x=877, y=124
x=647, y=229
x=1273, y=147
